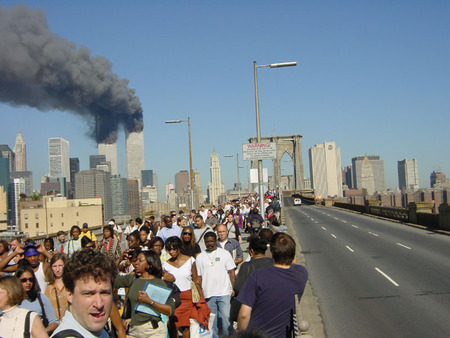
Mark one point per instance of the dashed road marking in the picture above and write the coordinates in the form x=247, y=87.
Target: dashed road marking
x=407, y=247
x=333, y=235
x=349, y=248
x=387, y=277
x=355, y=226
x=324, y=228
x=373, y=234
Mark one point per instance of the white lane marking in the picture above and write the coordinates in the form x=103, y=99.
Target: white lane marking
x=333, y=235
x=387, y=277
x=350, y=248
x=324, y=228
x=316, y=222
x=355, y=226
x=373, y=234
x=312, y=219
x=407, y=247
x=335, y=218
x=344, y=221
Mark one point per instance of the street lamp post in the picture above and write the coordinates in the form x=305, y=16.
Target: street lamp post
x=237, y=168
x=258, y=125
x=191, y=172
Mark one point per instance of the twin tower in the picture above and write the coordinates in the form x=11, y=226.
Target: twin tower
x=134, y=150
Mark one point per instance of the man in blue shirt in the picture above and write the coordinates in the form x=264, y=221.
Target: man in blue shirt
x=259, y=294
x=169, y=229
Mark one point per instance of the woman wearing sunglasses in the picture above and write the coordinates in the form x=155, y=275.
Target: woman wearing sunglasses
x=34, y=300
x=189, y=246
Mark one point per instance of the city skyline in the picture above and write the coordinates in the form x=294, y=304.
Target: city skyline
x=365, y=85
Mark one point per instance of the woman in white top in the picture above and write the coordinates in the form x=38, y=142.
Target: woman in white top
x=183, y=268
x=12, y=323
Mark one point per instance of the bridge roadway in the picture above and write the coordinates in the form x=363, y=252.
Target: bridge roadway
x=374, y=278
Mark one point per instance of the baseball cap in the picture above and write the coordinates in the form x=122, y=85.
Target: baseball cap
x=111, y=223
x=30, y=250
x=85, y=225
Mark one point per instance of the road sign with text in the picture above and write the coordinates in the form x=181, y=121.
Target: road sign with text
x=259, y=151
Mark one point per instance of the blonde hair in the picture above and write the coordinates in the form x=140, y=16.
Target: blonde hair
x=14, y=289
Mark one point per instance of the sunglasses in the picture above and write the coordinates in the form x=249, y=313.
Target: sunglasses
x=187, y=233
x=24, y=280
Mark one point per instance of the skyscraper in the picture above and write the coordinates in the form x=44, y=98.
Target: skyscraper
x=147, y=177
x=134, y=201
x=408, y=174
x=438, y=180
x=20, y=153
x=182, y=181
x=215, y=187
x=16, y=187
x=6, y=152
x=59, y=154
x=325, y=169
x=110, y=153
x=135, y=154
x=95, y=160
x=377, y=167
x=119, y=192
x=92, y=183
x=28, y=178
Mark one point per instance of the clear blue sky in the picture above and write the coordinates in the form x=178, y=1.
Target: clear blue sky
x=373, y=76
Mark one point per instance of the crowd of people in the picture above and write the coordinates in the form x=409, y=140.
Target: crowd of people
x=158, y=278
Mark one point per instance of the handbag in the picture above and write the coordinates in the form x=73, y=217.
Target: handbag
x=198, y=331
x=195, y=293
x=126, y=314
x=44, y=316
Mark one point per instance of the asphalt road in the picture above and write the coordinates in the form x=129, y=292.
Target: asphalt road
x=375, y=278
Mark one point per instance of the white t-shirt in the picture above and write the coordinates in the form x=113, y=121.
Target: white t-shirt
x=183, y=274
x=213, y=267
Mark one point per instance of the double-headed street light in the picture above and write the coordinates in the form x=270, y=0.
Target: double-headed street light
x=258, y=125
x=237, y=168
x=191, y=172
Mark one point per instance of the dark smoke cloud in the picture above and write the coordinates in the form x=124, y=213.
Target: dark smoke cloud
x=44, y=71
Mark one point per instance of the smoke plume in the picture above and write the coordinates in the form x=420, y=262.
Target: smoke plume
x=42, y=70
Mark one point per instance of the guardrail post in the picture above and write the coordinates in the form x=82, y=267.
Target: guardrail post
x=444, y=216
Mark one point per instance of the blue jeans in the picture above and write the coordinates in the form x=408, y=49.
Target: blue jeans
x=220, y=306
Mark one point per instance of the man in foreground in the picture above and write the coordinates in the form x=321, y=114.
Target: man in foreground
x=215, y=268
x=88, y=277
x=259, y=294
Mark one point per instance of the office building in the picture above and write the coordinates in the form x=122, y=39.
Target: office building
x=119, y=192
x=54, y=213
x=182, y=181
x=109, y=150
x=373, y=170
x=59, y=158
x=438, y=180
x=134, y=200
x=74, y=168
x=28, y=178
x=147, y=177
x=20, y=153
x=135, y=154
x=215, y=187
x=325, y=169
x=6, y=152
x=149, y=195
x=92, y=183
x=348, y=177
x=16, y=188
x=408, y=174
x=95, y=160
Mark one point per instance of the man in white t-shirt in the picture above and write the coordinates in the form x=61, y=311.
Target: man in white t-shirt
x=215, y=268
x=130, y=228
